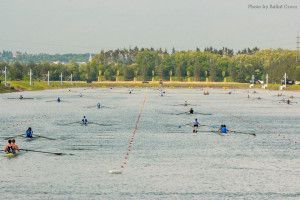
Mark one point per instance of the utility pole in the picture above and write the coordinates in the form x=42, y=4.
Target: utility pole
x=30, y=77
x=267, y=80
x=298, y=48
x=61, y=78
x=71, y=78
x=285, y=80
x=5, y=72
x=48, y=80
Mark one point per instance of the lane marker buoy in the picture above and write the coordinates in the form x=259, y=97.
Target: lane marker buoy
x=129, y=148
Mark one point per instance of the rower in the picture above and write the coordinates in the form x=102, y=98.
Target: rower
x=21, y=97
x=9, y=148
x=195, y=126
x=84, y=120
x=58, y=99
x=15, y=147
x=185, y=103
x=29, y=133
x=191, y=111
x=98, y=105
x=223, y=130
x=80, y=95
x=288, y=101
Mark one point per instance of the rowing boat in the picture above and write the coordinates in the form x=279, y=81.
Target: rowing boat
x=11, y=155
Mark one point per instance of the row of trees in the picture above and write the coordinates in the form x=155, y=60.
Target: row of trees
x=9, y=56
x=145, y=64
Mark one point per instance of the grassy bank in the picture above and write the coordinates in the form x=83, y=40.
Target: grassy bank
x=4, y=89
x=42, y=85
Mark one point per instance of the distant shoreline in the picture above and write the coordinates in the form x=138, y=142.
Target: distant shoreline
x=18, y=86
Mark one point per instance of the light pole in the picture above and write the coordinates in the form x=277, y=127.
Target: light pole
x=48, y=78
x=30, y=77
x=61, y=78
x=5, y=72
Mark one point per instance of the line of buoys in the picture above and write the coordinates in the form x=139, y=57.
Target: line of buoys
x=131, y=140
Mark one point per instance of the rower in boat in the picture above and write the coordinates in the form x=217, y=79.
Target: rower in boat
x=21, y=97
x=58, y=99
x=195, y=126
x=11, y=147
x=185, y=103
x=288, y=101
x=84, y=120
x=80, y=95
x=191, y=111
x=223, y=130
x=29, y=133
x=14, y=145
x=98, y=105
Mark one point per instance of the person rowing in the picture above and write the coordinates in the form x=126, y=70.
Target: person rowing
x=21, y=97
x=195, y=126
x=11, y=147
x=14, y=145
x=288, y=101
x=98, y=105
x=185, y=103
x=191, y=111
x=29, y=133
x=223, y=130
x=84, y=120
x=58, y=99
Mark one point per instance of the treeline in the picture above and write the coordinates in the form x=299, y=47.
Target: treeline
x=146, y=64
x=9, y=56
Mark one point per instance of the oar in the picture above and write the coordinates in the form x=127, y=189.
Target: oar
x=211, y=126
x=105, y=107
x=44, y=137
x=243, y=132
x=70, y=123
x=51, y=100
x=182, y=113
x=207, y=131
x=184, y=125
x=59, y=154
x=7, y=138
x=203, y=113
x=100, y=124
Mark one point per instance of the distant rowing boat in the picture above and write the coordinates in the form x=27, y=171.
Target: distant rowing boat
x=11, y=155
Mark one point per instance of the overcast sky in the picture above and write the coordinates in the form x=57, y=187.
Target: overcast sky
x=77, y=26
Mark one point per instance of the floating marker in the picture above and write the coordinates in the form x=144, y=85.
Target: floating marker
x=116, y=171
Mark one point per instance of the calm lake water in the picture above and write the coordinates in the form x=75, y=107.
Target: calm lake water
x=166, y=161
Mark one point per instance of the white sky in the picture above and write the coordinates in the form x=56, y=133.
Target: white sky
x=77, y=26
